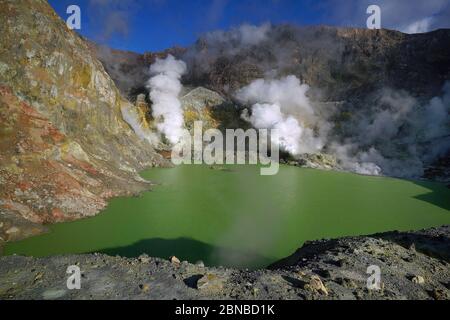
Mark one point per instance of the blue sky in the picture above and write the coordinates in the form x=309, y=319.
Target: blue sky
x=152, y=25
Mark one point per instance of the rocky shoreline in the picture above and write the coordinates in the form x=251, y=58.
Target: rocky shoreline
x=413, y=265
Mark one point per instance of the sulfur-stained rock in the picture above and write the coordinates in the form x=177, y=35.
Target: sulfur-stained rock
x=210, y=283
x=418, y=280
x=316, y=284
x=144, y=287
x=175, y=260
x=65, y=146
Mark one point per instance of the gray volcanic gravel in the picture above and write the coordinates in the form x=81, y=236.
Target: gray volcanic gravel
x=414, y=265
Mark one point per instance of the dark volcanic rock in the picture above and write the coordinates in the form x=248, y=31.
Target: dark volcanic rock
x=414, y=265
x=343, y=62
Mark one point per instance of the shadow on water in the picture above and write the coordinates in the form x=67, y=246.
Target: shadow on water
x=192, y=251
x=438, y=195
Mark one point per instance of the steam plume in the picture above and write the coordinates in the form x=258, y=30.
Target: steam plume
x=164, y=87
x=397, y=135
x=283, y=105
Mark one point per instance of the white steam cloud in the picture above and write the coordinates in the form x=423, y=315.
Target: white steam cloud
x=399, y=137
x=164, y=87
x=283, y=105
x=396, y=135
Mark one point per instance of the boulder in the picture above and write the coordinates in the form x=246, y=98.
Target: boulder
x=210, y=283
x=316, y=284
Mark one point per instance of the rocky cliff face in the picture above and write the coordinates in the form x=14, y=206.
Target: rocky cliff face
x=129, y=70
x=65, y=148
x=343, y=63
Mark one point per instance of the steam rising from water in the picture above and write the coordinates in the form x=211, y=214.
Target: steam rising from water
x=164, y=87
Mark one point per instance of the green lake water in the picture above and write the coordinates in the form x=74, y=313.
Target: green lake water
x=239, y=218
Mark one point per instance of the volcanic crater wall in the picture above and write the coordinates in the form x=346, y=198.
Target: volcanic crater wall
x=65, y=148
